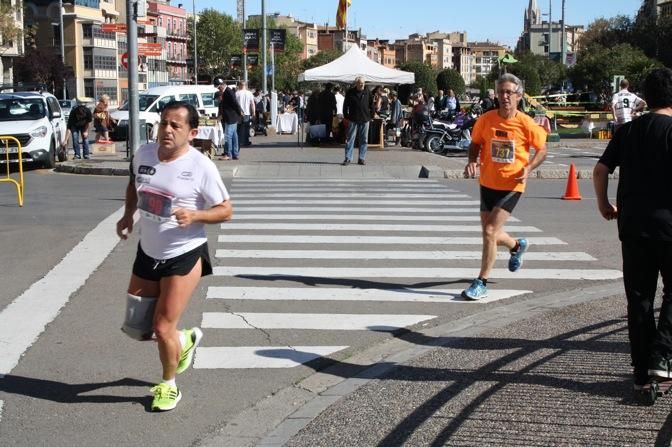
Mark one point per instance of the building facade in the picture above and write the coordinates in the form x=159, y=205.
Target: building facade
x=11, y=46
x=485, y=57
x=169, y=28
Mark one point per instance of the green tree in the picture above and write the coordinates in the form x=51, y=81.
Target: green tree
x=549, y=71
x=9, y=31
x=322, y=58
x=606, y=33
x=425, y=78
x=40, y=67
x=450, y=79
x=218, y=38
x=529, y=76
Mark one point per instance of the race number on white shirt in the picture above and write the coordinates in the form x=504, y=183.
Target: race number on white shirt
x=624, y=103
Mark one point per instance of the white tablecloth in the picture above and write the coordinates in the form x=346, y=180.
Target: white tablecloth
x=287, y=123
x=213, y=133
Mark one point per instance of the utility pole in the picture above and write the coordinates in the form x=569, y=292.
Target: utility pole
x=60, y=16
x=264, y=83
x=193, y=8
x=133, y=115
x=550, y=28
x=243, y=22
x=563, y=36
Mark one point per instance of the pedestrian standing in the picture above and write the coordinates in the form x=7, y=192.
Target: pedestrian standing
x=642, y=150
x=230, y=113
x=79, y=122
x=245, y=99
x=502, y=140
x=102, y=122
x=358, y=110
x=327, y=108
x=624, y=103
x=177, y=190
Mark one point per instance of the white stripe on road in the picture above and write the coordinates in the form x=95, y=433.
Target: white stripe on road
x=391, y=272
x=395, y=181
x=356, y=202
x=376, y=217
x=322, y=322
x=252, y=357
x=343, y=195
x=26, y=317
x=1, y=404
x=286, y=209
x=345, y=294
x=370, y=227
x=344, y=189
x=416, y=255
x=347, y=239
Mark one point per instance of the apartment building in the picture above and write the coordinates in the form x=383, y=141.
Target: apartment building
x=306, y=32
x=544, y=38
x=90, y=53
x=444, y=48
x=330, y=37
x=462, y=61
x=485, y=57
x=419, y=49
x=11, y=46
x=169, y=28
x=382, y=52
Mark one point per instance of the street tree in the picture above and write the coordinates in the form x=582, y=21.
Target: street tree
x=218, y=37
x=41, y=68
x=9, y=30
x=450, y=79
x=425, y=78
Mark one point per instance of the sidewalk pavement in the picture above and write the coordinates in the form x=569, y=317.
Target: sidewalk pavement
x=284, y=156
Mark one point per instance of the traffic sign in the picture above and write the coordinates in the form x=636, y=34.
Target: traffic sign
x=113, y=27
x=124, y=60
x=149, y=49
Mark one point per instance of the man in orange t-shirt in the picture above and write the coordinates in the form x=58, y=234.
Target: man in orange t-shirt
x=502, y=139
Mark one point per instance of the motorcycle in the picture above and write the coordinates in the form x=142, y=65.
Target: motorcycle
x=453, y=137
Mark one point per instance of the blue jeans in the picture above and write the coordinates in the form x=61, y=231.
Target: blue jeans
x=75, y=143
x=231, y=138
x=362, y=131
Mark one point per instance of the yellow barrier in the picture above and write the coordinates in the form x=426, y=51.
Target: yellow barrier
x=4, y=145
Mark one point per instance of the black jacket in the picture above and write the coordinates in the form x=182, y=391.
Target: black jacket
x=358, y=106
x=229, y=109
x=79, y=117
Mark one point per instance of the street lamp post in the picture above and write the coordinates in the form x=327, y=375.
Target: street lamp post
x=193, y=6
x=60, y=27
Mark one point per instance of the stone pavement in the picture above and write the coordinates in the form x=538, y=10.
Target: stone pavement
x=284, y=156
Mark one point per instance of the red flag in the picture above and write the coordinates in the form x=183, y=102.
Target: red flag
x=342, y=13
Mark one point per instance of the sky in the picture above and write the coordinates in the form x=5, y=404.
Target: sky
x=495, y=20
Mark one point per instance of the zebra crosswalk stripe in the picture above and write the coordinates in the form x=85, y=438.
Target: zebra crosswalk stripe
x=348, y=239
x=355, y=217
x=385, y=201
x=435, y=211
x=370, y=227
x=344, y=195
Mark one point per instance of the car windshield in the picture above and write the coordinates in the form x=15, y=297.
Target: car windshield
x=65, y=104
x=144, y=101
x=14, y=109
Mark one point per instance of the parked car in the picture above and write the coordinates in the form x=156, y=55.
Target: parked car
x=36, y=120
x=150, y=102
x=66, y=106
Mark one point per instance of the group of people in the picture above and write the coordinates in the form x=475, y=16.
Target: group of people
x=79, y=122
x=237, y=110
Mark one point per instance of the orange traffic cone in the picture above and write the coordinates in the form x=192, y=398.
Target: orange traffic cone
x=572, y=191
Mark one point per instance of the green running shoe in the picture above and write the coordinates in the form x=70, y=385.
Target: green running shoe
x=193, y=336
x=166, y=397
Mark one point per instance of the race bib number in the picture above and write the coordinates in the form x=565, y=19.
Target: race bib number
x=502, y=151
x=154, y=204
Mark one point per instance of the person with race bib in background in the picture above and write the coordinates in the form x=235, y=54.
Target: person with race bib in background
x=501, y=141
x=624, y=103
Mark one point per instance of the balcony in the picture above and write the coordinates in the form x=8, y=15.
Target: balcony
x=88, y=3
x=177, y=35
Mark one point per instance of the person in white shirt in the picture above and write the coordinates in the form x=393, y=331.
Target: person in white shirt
x=624, y=103
x=339, y=101
x=176, y=191
x=246, y=100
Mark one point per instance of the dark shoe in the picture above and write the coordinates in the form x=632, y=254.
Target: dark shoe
x=641, y=379
x=235, y=158
x=659, y=367
x=346, y=162
x=361, y=162
x=86, y=157
x=77, y=157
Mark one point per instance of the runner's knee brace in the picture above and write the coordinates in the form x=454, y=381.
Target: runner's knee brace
x=139, y=320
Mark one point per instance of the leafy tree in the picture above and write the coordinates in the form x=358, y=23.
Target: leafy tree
x=219, y=37
x=322, y=58
x=9, y=31
x=606, y=33
x=529, y=76
x=425, y=78
x=40, y=67
x=450, y=79
x=596, y=69
x=549, y=71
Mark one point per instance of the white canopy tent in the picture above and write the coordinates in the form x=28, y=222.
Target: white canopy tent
x=352, y=64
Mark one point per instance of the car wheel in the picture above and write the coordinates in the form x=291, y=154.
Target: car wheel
x=252, y=132
x=50, y=163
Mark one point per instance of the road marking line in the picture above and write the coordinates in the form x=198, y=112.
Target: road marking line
x=391, y=272
x=286, y=209
x=416, y=255
x=344, y=294
x=370, y=227
x=327, y=195
x=348, y=239
x=311, y=321
x=25, y=318
x=355, y=201
x=354, y=217
x=345, y=189
x=322, y=181
x=1, y=404
x=248, y=357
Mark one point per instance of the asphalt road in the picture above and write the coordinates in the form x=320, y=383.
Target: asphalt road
x=82, y=382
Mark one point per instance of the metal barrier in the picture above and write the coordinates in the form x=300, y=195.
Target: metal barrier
x=5, y=146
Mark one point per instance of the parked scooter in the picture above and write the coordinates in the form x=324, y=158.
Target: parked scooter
x=453, y=137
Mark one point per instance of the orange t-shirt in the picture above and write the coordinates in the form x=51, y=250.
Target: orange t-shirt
x=505, y=148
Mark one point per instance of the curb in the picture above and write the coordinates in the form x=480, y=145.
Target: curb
x=273, y=421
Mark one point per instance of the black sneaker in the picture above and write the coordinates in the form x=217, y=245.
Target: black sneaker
x=641, y=379
x=361, y=162
x=346, y=162
x=659, y=367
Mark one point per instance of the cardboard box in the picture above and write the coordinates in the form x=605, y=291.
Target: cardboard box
x=103, y=149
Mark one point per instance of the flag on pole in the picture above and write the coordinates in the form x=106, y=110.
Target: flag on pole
x=342, y=14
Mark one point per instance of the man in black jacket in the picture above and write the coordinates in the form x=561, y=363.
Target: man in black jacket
x=358, y=110
x=230, y=113
x=79, y=122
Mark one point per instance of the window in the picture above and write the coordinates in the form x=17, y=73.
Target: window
x=88, y=88
x=208, y=99
x=105, y=62
x=87, y=30
x=109, y=91
x=88, y=60
x=189, y=98
x=162, y=102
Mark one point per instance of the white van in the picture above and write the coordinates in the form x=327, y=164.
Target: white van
x=150, y=101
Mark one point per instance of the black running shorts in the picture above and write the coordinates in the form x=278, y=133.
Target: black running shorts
x=493, y=198
x=152, y=269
